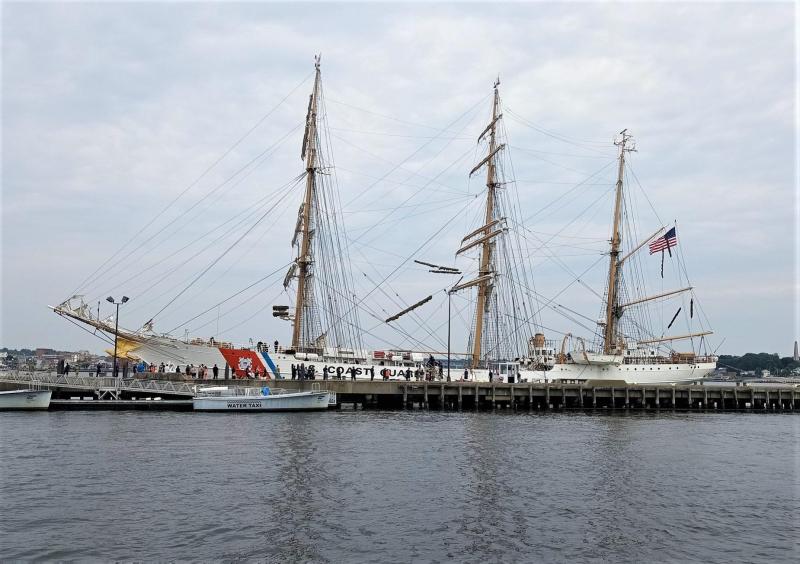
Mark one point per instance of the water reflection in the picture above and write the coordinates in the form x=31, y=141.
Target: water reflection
x=399, y=486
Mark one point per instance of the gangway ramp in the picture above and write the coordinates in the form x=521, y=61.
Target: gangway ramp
x=104, y=387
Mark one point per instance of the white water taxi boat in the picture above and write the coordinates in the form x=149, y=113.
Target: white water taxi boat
x=25, y=399
x=242, y=398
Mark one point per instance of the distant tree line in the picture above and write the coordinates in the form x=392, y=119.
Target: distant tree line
x=18, y=352
x=759, y=361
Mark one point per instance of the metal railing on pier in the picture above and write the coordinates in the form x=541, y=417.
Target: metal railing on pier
x=104, y=384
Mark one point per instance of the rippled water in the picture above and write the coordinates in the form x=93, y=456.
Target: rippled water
x=399, y=486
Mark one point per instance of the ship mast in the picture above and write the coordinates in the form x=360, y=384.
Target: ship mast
x=613, y=310
x=485, y=270
x=304, y=259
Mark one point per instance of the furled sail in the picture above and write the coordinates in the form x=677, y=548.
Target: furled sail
x=298, y=228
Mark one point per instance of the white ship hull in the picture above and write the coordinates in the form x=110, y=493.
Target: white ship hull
x=279, y=366
x=299, y=401
x=628, y=373
x=25, y=399
x=674, y=373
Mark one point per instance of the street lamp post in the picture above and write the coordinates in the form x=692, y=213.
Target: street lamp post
x=116, y=329
x=449, y=296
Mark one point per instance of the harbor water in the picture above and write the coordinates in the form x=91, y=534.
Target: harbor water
x=358, y=486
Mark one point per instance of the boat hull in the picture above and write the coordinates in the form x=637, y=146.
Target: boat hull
x=301, y=401
x=25, y=399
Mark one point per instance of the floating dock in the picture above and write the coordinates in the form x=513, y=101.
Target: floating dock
x=88, y=392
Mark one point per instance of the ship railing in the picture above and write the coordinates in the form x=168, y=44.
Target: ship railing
x=316, y=387
x=243, y=391
x=706, y=358
x=667, y=359
x=167, y=386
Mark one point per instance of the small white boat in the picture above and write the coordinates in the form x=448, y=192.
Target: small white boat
x=247, y=398
x=25, y=399
x=596, y=359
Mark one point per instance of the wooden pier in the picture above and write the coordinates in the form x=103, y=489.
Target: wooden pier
x=477, y=396
x=557, y=396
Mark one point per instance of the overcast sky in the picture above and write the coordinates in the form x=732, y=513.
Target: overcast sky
x=111, y=111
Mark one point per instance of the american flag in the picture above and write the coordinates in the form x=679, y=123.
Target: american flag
x=666, y=241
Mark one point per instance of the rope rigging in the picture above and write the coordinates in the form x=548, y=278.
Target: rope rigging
x=202, y=175
x=505, y=307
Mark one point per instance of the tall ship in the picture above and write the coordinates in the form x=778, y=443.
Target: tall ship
x=506, y=341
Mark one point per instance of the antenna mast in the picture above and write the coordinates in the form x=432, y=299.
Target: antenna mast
x=485, y=270
x=613, y=310
x=305, y=259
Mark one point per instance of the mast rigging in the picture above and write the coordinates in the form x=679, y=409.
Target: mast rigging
x=302, y=309
x=485, y=271
x=613, y=311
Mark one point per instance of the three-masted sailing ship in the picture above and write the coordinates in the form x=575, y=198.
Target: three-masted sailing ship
x=505, y=343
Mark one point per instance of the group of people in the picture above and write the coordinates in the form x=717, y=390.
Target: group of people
x=198, y=372
x=428, y=373
x=303, y=372
x=190, y=370
x=254, y=374
x=195, y=372
x=264, y=347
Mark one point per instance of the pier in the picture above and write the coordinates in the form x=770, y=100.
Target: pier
x=89, y=392
x=558, y=396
